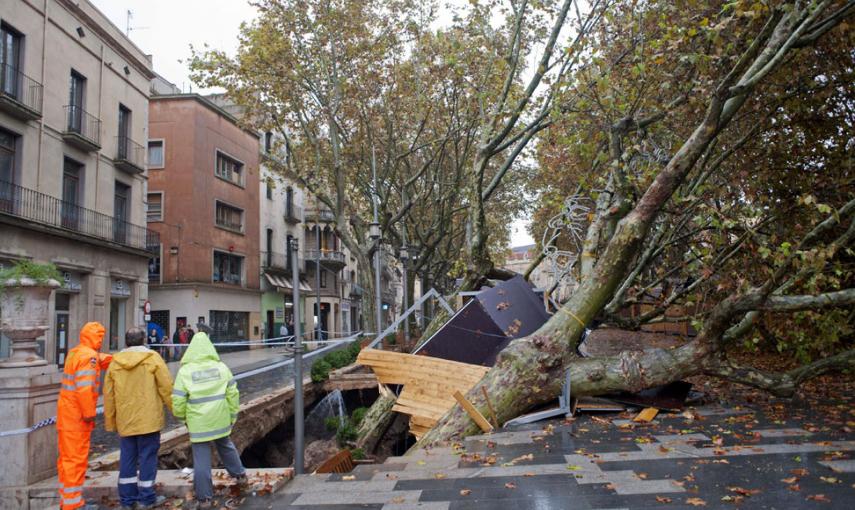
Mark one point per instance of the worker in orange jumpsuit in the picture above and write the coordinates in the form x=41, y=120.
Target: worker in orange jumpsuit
x=75, y=412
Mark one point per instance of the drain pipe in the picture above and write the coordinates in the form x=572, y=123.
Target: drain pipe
x=298, y=361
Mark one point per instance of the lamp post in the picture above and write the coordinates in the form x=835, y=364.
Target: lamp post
x=298, y=361
x=318, y=335
x=374, y=234
x=405, y=262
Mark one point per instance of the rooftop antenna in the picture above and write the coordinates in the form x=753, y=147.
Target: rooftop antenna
x=128, y=26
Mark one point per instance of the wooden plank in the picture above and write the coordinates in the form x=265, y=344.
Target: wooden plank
x=477, y=417
x=490, y=407
x=414, y=368
x=646, y=415
x=431, y=415
x=402, y=375
x=412, y=359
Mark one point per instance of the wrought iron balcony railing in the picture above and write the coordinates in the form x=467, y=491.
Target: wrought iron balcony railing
x=274, y=260
x=293, y=214
x=319, y=215
x=37, y=207
x=20, y=94
x=82, y=128
x=333, y=256
x=130, y=156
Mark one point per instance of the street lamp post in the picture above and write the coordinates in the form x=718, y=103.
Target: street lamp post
x=405, y=262
x=318, y=335
x=374, y=234
x=298, y=361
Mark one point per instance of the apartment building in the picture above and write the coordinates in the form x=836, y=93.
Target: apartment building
x=281, y=216
x=203, y=200
x=73, y=123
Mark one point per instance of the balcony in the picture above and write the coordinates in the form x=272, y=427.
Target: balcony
x=73, y=220
x=279, y=262
x=357, y=290
x=331, y=258
x=293, y=214
x=322, y=215
x=130, y=156
x=20, y=95
x=82, y=130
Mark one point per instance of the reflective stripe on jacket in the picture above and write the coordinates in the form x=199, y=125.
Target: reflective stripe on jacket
x=81, y=378
x=205, y=394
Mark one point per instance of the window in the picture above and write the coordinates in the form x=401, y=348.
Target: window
x=228, y=268
x=124, y=132
x=268, y=141
x=323, y=278
x=155, y=153
x=155, y=207
x=121, y=201
x=269, y=190
x=229, y=169
x=289, y=201
x=10, y=60
x=71, y=174
x=154, y=270
x=227, y=325
x=269, y=247
x=8, y=144
x=229, y=217
x=76, y=95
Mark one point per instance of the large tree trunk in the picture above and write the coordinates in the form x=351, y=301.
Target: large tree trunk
x=530, y=370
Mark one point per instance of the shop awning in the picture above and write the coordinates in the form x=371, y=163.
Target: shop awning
x=283, y=283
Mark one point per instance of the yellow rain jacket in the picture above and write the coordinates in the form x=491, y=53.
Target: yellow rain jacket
x=136, y=388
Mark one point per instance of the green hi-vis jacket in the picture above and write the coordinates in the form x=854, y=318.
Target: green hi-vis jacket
x=205, y=394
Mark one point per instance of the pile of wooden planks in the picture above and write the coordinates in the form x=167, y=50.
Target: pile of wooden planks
x=429, y=383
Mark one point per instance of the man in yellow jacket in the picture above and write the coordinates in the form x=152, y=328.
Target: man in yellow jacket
x=136, y=388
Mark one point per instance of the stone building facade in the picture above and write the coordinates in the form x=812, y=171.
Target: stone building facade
x=73, y=124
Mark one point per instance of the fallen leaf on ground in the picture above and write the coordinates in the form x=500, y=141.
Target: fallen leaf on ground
x=663, y=499
x=819, y=497
x=398, y=499
x=829, y=479
x=744, y=492
x=510, y=485
x=799, y=472
x=792, y=479
x=696, y=502
x=440, y=476
x=465, y=492
x=348, y=478
x=795, y=487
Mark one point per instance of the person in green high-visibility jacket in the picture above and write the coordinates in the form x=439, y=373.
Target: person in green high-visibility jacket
x=205, y=396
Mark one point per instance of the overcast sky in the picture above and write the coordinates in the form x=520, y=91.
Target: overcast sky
x=166, y=29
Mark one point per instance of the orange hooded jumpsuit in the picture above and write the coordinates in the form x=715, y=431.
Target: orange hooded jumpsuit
x=75, y=412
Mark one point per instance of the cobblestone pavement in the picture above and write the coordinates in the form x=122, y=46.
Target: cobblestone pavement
x=759, y=457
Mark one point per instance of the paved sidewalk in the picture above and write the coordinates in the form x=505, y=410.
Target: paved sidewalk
x=711, y=457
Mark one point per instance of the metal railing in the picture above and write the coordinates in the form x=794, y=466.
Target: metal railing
x=357, y=290
x=37, y=207
x=319, y=215
x=20, y=87
x=130, y=151
x=271, y=259
x=293, y=213
x=325, y=255
x=83, y=123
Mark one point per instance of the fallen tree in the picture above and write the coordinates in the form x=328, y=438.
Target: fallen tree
x=530, y=370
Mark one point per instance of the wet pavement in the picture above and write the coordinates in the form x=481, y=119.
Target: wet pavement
x=773, y=455
x=250, y=387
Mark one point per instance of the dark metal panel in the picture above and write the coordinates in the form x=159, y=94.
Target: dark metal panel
x=514, y=307
x=470, y=336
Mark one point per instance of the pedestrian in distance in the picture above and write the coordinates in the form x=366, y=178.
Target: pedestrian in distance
x=136, y=388
x=75, y=413
x=205, y=397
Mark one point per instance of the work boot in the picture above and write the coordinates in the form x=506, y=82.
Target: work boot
x=201, y=504
x=158, y=500
x=242, y=483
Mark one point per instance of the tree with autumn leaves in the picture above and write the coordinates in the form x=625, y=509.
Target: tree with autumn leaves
x=712, y=141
